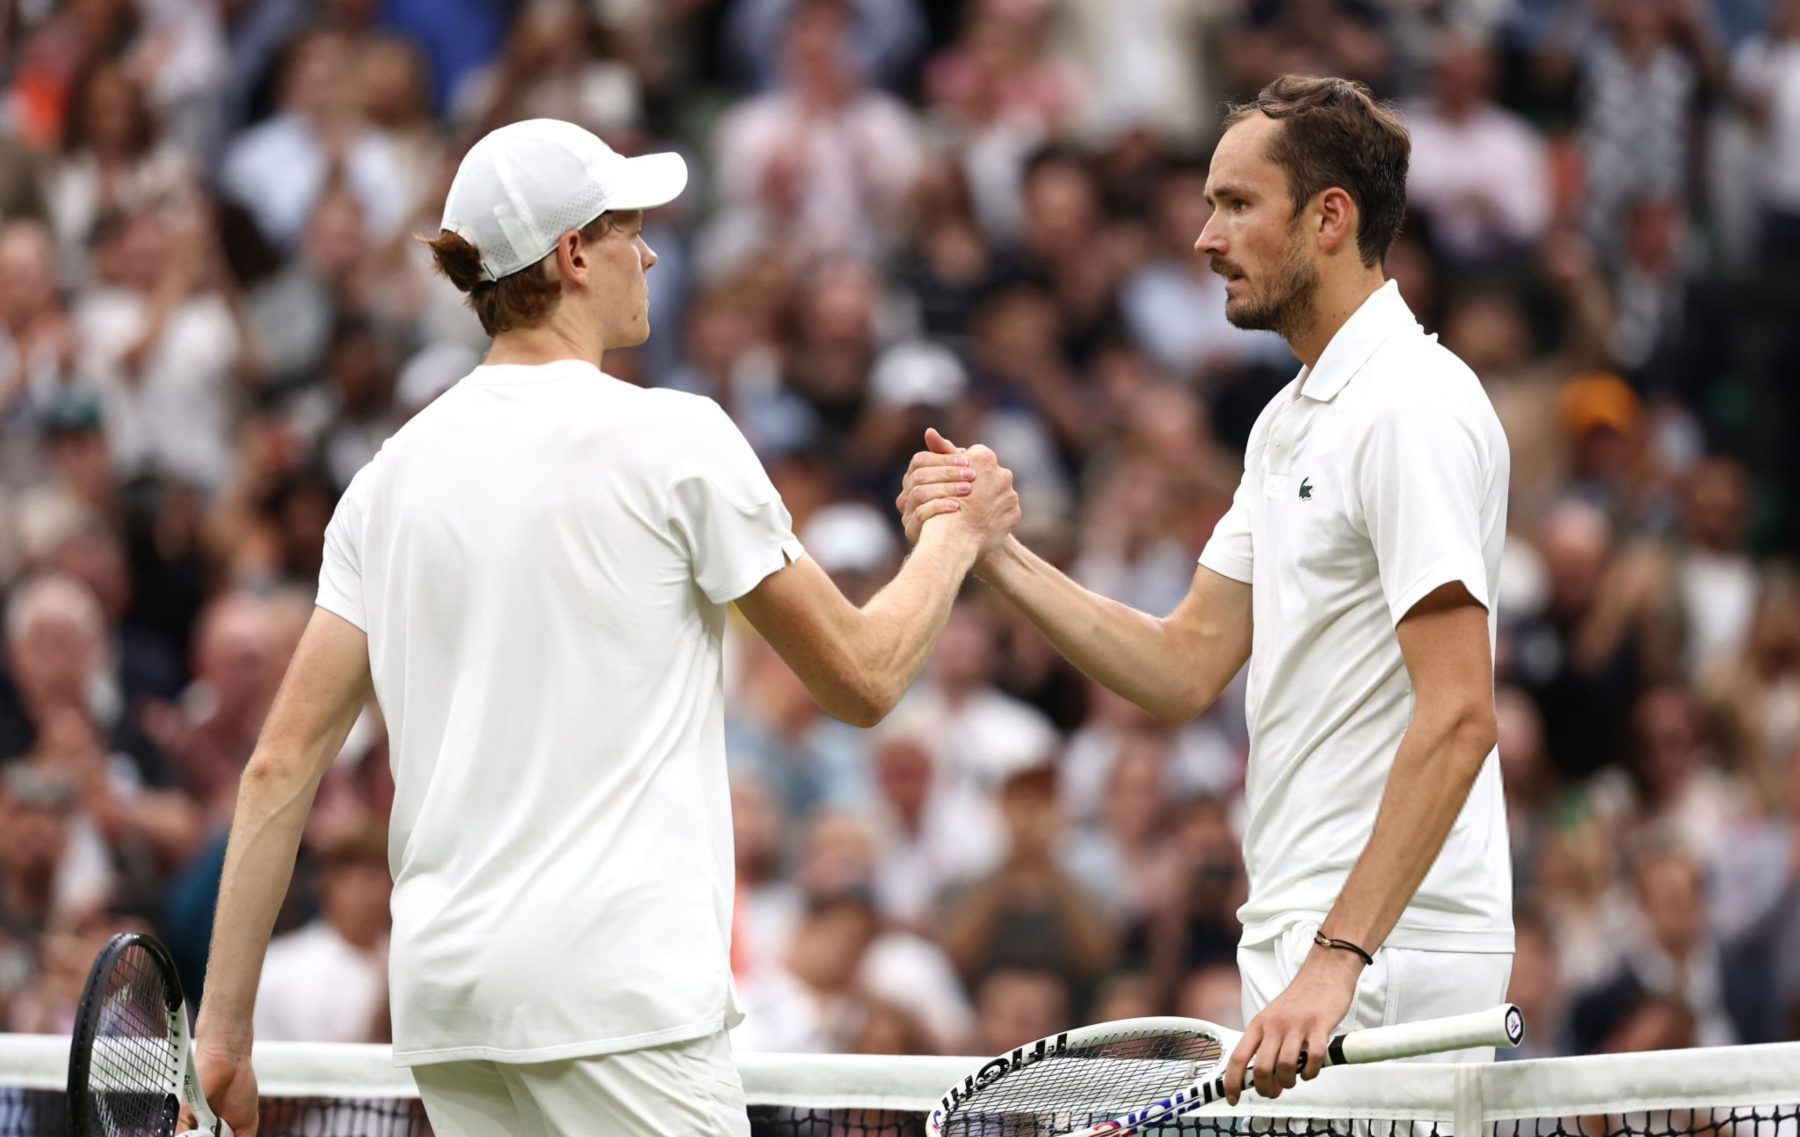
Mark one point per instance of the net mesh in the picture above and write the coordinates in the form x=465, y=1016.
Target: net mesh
x=1752, y=1091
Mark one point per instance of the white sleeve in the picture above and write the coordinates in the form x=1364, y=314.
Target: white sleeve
x=1230, y=551
x=726, y=513
x=1419, y=481
x=340, y=570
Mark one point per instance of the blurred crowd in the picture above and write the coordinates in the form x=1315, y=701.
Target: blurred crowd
x=976, y=215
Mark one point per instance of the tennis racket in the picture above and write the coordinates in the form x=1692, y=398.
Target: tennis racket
x=131, y=1063
x=1121, y=1077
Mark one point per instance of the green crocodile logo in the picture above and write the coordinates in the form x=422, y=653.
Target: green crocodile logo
x=1305, y=489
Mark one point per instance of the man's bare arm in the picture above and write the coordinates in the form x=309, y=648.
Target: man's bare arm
x=1173, y=667
x=858, y=662
x=1444, y=640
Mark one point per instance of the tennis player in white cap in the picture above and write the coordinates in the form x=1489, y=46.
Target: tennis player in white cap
x=532, y=578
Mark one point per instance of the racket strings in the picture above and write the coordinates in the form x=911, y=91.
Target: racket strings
x=133, y=1070
x=1085, y=1084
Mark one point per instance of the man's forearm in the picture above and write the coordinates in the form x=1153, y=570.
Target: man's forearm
x=274, y=798
x=1128, y=651
x=901, y=623
x=1438, y=761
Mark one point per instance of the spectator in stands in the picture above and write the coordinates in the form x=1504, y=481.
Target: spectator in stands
x=164, y=345
x=981, y=736
x=327, y=981
x=210, y=733
x=549, y=69
x=1214, y=994
x=1765, y=77
x=1481, y=173
x=279, y=168
x=929, y=841
x=1017, y=1005
x=821, y=162
x=1675, y=956
x=37, y=343
x=112, y=160
x=1639, y=88
x=1029, y=912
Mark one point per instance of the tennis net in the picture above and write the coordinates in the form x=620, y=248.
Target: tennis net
x=1744, y=1091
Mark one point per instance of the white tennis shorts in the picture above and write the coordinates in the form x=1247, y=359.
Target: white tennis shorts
x=684, y=1089
x=1403, y=985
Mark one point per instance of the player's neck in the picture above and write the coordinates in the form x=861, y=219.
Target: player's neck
x=557, y=338
x=1337, y=300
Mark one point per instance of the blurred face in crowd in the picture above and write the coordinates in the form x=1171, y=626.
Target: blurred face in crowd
x=903, y=774
x=1182, y=210
x=355, y=899
x=27, y=272
x=814, y=53
x=1668, y=741
x=1127, y=996
x=1576, y=543
x=391, y=77
x=236, y=641
x=964, y=660
x=97, y=561
x=1717, y=506
x=133, y=255
x=316, y=74
x=828, y=944
x=1214, y=994
x=1672, y=898
x=55, y=645
x=34, y=825
x=755, y=830
x=838, y=855
x=1134, y=797
x=1488, y=331
x=334, y=243
x=1014, y=1006
x=1521, y=739
x=113, y=125
x=1062, y=209
x=1254, y=238
x=1465, y=76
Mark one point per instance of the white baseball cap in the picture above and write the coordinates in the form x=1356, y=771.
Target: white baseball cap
x=526, y=184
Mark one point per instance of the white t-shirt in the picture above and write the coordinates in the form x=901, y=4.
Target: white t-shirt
x=318, y=987
x=1368, y=483
x=541, y=560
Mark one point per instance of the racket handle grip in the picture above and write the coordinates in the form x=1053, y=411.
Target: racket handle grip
x=224, y=1131
x=1502, y=1027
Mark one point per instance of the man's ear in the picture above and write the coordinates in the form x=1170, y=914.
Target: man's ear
x=571, y=260
x=1337, y=218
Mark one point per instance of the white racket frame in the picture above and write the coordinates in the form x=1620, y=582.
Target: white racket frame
x=1501, y=1026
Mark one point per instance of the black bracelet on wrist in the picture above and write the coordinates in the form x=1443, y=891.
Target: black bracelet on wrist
x=1325, y=941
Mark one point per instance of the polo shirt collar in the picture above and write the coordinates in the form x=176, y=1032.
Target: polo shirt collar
x=1382, y=315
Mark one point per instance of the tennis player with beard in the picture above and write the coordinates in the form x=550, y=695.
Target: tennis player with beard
x=1356, y=573
x=531, y=578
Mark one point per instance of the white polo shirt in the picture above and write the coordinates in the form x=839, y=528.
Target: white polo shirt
x=1370, y=480
x=541, y=560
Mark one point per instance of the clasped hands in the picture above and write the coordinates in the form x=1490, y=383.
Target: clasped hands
x=948, y=479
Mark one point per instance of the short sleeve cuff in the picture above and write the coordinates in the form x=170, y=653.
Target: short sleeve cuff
x=1471, y=577
x=340, y=605
x=749, y=575
x=1226, y=564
